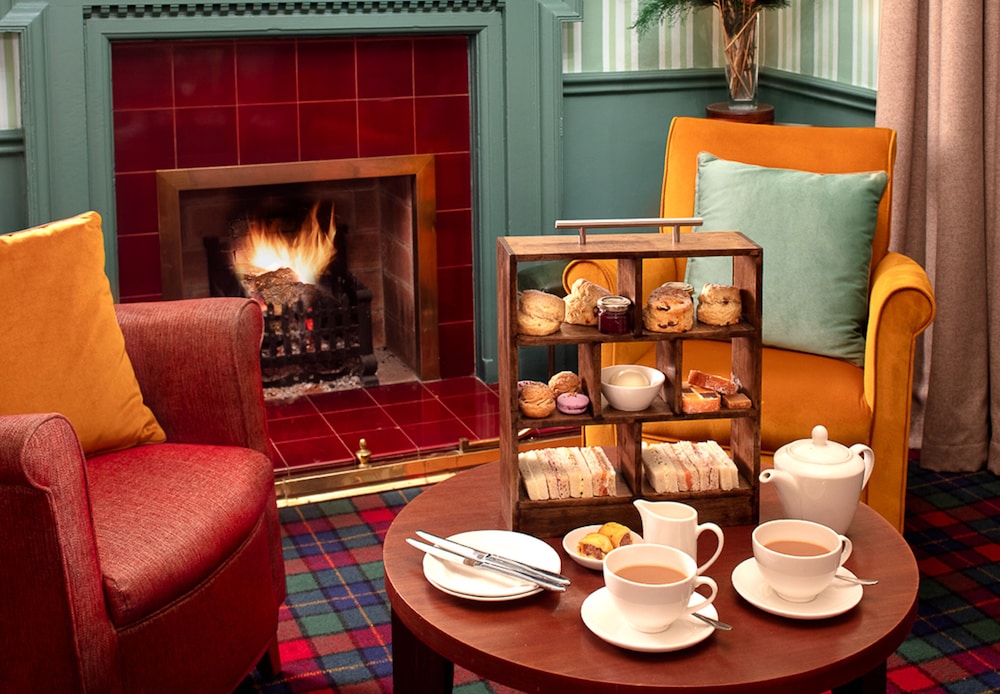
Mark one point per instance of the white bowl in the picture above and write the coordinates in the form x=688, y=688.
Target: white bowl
x=574, y=536
x=631, y=398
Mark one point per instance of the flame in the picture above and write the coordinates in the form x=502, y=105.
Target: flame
x=307, y=252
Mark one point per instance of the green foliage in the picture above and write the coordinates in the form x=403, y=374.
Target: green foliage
x=734, y=13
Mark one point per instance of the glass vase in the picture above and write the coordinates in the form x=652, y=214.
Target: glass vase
x=741, y=63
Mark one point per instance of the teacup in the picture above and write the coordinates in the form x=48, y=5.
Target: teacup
x=651, y=585
x=675, y=524
x=799, y=558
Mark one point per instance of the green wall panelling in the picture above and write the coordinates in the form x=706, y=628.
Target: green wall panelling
x=615, y=129
x=14, y=196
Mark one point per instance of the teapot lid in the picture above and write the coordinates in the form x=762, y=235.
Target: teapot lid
x=819, y=449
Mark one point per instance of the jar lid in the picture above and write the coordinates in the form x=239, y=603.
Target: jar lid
x=614, y=304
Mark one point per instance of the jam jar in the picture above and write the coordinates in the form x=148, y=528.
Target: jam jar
x=614, y=315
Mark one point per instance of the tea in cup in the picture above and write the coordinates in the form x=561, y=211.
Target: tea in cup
x=799, y=558
x=675, y=524
x=651, y=585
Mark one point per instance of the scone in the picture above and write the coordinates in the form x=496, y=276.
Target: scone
x=565, y=382
x=669, y=309
x=539, y=313
x=536, y=399
x=581, y=302
x=719, y=304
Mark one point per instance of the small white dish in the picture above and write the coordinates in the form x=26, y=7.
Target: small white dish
x=480, y=584
x=631, y=398
x=835, y=600
x=601, y=617
x=571, y=538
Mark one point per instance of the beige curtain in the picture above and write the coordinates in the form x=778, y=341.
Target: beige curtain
x=938, y=85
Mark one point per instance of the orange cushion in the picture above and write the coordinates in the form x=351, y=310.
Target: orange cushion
x=62, y=348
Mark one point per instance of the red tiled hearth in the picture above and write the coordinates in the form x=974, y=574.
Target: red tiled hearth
x=397, y=421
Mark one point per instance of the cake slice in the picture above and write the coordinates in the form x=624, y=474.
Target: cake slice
x=712, y=382
x=695, y=399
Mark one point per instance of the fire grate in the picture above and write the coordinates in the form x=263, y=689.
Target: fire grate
x=322, y=339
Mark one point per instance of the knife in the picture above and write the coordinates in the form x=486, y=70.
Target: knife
x=472, y=553
x=485, y=564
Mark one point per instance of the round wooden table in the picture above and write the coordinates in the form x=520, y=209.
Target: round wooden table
x=540, y=643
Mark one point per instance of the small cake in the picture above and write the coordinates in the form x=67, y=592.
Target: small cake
x=536, y=399
x=539, y=313
x=669, y=309
x=719, y=304
x=581, y=302
x=572, y=403
x=565, y=382
x=594, y=545
x=712, y=382
x=736, y=401
x=695, y=399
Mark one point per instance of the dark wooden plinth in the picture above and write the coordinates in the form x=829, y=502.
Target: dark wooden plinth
x=761, y=113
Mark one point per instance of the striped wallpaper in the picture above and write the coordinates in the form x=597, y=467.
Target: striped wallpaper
x=10, y=97
x=835, y=40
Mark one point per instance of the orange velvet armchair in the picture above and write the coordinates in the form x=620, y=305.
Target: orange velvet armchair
x=156, y=568
x=858, y=404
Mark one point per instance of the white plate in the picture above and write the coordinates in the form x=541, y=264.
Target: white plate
x=601, y=618
x=573, y=537
x=480, y=584
x=837, y=599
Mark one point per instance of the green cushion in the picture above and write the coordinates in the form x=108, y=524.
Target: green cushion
x=816, y=231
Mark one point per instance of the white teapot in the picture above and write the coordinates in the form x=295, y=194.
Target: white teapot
x=821, y=480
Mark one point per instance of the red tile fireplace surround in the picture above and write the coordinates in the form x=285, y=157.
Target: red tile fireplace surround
x=203, y=104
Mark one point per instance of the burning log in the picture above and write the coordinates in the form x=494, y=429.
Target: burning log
x=281, y=287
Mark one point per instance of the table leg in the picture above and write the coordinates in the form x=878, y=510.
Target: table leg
x=417, y=668
x=872, y=682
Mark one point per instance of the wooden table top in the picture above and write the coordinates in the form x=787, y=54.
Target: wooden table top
x=540, y=643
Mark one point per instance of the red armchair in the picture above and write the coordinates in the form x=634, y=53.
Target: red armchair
x=158, y=567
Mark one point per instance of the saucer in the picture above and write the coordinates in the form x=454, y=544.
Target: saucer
x=472, y=583
x=574, y=536
x=601, y=618
x=837, y=599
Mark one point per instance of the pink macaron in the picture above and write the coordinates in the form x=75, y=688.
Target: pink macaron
x=572, y=403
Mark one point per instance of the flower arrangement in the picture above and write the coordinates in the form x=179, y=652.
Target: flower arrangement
x=739, y=27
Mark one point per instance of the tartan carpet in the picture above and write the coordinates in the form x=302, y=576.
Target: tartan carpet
x=334, y=627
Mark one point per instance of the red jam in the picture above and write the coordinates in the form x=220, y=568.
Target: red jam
x=614, y=315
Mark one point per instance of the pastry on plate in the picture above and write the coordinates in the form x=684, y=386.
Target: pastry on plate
x=594, y=545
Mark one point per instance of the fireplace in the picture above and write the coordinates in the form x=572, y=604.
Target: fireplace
x=386, y=239
x=244, y=120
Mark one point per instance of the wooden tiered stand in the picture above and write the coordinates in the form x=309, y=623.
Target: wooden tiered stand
x=551, y=518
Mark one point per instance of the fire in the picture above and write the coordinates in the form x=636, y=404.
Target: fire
x=307, y=252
